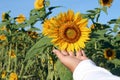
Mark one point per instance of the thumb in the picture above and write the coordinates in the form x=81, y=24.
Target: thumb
x=58, y=54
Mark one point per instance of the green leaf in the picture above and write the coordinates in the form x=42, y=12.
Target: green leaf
x=91, y=11
x=53, y=7
x=117, y=38
x=47, y=3
x=33, y=12
x=104, y=9
x=116, y=71
x=38, y=47
x=98, y=10
x=112, y=21
x=29, y=63
x=118, y=21
x=4, y=23
x=63, y=72
x=101, y=33
x=41, y=14
x=34, y=29
x=115, y=29
x=32, y=20
x=47, y=14
x=116, y=62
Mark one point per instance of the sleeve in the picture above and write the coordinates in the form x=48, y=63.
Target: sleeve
x=87, y=70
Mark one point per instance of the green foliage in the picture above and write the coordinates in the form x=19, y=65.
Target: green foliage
x=104, y=36
x=62, y=71
x=25, y=51
x=39, y=46
x=104, y=9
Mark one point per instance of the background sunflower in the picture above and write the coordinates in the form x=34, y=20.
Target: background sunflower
x=109, y=54
x=107, y=3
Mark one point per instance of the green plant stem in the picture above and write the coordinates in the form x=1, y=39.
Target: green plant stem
x=21, y=70
x=26, y=77
x=15, y=58
x=97, y=18
x=8, y=67
x=95, y=45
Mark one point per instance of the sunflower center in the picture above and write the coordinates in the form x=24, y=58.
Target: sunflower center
x=109, y=53
x=105, y=1
x=70, y=32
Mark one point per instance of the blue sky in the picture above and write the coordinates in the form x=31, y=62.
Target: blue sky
x=24, y=6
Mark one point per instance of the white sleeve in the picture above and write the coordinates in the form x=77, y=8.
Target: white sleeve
x=87, y=70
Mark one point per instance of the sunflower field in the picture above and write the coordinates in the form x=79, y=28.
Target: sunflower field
x=26, y=51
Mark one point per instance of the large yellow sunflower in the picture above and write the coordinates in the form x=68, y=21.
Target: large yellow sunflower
x=68, y=31
x=106, y=2
x=109, y=54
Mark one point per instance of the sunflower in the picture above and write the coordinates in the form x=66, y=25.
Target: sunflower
x=3, y=75
x=109, y=54
x=50, y=61
x=32, y=34
x=106, y=2
x=2, y=37
x=21, y=18
x=13, y=76
x=3, y=28
x=39, y=4
x=3, y=16
x=12, y=54
x=67, y=30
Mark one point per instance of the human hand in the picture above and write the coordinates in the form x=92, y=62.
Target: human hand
x=69, y=59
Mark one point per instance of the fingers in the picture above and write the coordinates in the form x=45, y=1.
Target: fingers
x=81, y=55
x=71, y=53
x=58, y=53
x=78, y=54
x=64, y=53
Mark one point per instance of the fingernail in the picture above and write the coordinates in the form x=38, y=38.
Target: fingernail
x=54, y=50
